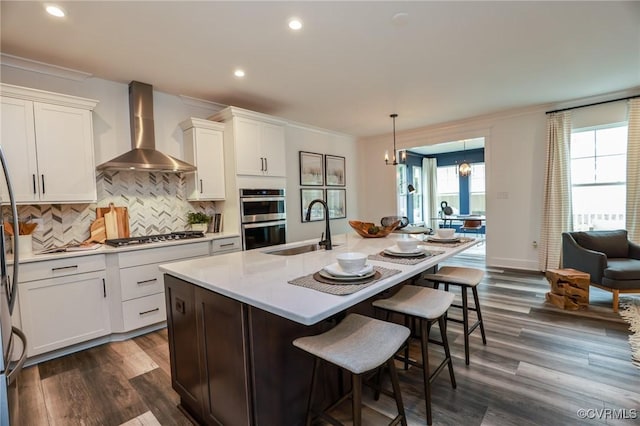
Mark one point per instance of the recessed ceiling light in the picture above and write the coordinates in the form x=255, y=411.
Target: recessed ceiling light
x=238, y=73
x=54, y=10
x=295, y=24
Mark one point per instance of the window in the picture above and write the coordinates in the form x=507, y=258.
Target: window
x=417, y=195
x=401, y=179
x=598, y=177
x=449, y=187
x=476, y=189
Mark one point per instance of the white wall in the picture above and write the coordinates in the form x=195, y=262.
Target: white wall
x=305, y=138
x=514, y=157
x=112, y=135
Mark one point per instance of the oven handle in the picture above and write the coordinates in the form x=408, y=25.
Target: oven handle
x=260, y=199
x=263, y=224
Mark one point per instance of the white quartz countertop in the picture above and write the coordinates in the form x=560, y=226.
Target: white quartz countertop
x=105, y=249
x=261, y=279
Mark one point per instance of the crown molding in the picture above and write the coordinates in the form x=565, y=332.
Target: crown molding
x=42, y=68
x=201, y=103
x=36, y=95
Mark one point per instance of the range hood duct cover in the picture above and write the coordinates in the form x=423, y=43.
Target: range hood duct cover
x=144, y=156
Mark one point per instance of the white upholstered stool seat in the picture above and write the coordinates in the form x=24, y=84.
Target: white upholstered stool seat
x=465, y=278
x=427, y=305
x=456, y=275
x=357, y=344
x=422, y=302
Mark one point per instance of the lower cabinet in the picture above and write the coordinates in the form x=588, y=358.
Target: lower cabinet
x=61, y=304
x=141, y=289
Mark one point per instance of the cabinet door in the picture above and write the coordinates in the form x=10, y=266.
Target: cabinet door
x=63, y=311
x=210, y=164
x=273, y=149
x=19, y=146
x=64, y=140
x=249, y=158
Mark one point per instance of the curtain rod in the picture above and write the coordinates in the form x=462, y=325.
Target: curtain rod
x=593, y=104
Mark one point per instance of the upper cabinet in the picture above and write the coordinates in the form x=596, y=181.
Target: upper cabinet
x=258, y=141
x=47, y=139
x=204, y=148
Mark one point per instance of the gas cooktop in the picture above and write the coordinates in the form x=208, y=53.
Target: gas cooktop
x=184, y=235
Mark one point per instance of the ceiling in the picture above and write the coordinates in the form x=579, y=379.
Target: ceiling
x=353, y=63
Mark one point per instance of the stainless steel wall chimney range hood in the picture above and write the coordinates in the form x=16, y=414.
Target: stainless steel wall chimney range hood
x=143, y=155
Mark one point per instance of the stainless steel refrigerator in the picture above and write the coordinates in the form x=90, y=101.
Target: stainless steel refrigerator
x=9, y=369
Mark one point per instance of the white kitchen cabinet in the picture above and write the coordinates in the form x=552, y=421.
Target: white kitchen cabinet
x=257, y=140
x=141, y=302
x=48, y=142
x=204, y=148
x=225, y=245
x=63, y=302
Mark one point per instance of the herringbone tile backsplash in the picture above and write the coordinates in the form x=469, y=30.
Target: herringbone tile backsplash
x=156, y=204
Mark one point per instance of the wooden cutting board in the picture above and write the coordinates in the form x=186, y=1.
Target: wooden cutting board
x=121, y=220
x=98, y=231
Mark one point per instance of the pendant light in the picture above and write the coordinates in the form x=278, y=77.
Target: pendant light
x=386, y=154
x=464, y=169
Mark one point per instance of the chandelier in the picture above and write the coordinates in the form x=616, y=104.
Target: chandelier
x=386, y=154
x=464, y=169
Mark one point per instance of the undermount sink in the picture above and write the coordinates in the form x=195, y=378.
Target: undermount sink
x=291, y=251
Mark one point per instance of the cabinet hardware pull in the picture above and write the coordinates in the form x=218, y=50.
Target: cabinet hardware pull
x=64, y=267
x=266, y=165
x=34, y=182
x=147, y=281
x=201, y=187
x=43, y=191
x=262, y=164
x=104, y=289
x=149, y=311
x=226, y=245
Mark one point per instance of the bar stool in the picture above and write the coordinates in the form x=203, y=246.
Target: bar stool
x=427, y=306
x=357, y=344
x=465, y=278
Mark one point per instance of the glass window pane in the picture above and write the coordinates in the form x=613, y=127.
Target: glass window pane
x=607, y=213
x=583, y=144
x=417, y=179
x=611, y=169
x=448, y=182
x=476, y=181
x=583, y=171
x=611, y=141
x=417, y=208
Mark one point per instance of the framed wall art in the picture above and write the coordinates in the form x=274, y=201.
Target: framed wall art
x=337, y=203
x=311, y=169
x=306, y=197
x=334, y=170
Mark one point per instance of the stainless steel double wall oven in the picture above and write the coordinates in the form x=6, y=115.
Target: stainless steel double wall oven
x=263, y=216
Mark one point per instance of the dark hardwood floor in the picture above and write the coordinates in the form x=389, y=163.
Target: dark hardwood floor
x=541, y=365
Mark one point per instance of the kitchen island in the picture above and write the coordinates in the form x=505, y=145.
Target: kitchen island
x=232, y=319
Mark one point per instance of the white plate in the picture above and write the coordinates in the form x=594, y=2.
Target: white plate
x=336, y=270
x=325, y=274
x=395, y=251
x=443, y=240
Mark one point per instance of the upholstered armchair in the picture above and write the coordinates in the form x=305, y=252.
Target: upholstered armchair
x=608, y=256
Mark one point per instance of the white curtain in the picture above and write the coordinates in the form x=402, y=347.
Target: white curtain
x=430, y=182
x=633, y=172
x=556, y=214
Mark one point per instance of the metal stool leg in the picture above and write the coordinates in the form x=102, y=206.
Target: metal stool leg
x=395, y=384
x=479, y=314
x=465, y=323
x=424, y=340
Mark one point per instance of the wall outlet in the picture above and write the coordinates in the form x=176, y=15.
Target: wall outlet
x=40, y=223
x=534, y=244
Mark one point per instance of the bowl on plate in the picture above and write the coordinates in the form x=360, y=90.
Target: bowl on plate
x=445, y=232
x=407, y=244
x=371, y=230
x=351, y=261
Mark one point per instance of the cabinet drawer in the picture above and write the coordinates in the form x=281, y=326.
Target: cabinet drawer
x=163, y=254
x=60, y=267
x=225, y=245
x=144, y=311
x=140, y=281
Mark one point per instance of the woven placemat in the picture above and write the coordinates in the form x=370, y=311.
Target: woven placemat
x=342, y=288
x=463, y=240
x=383, y=257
